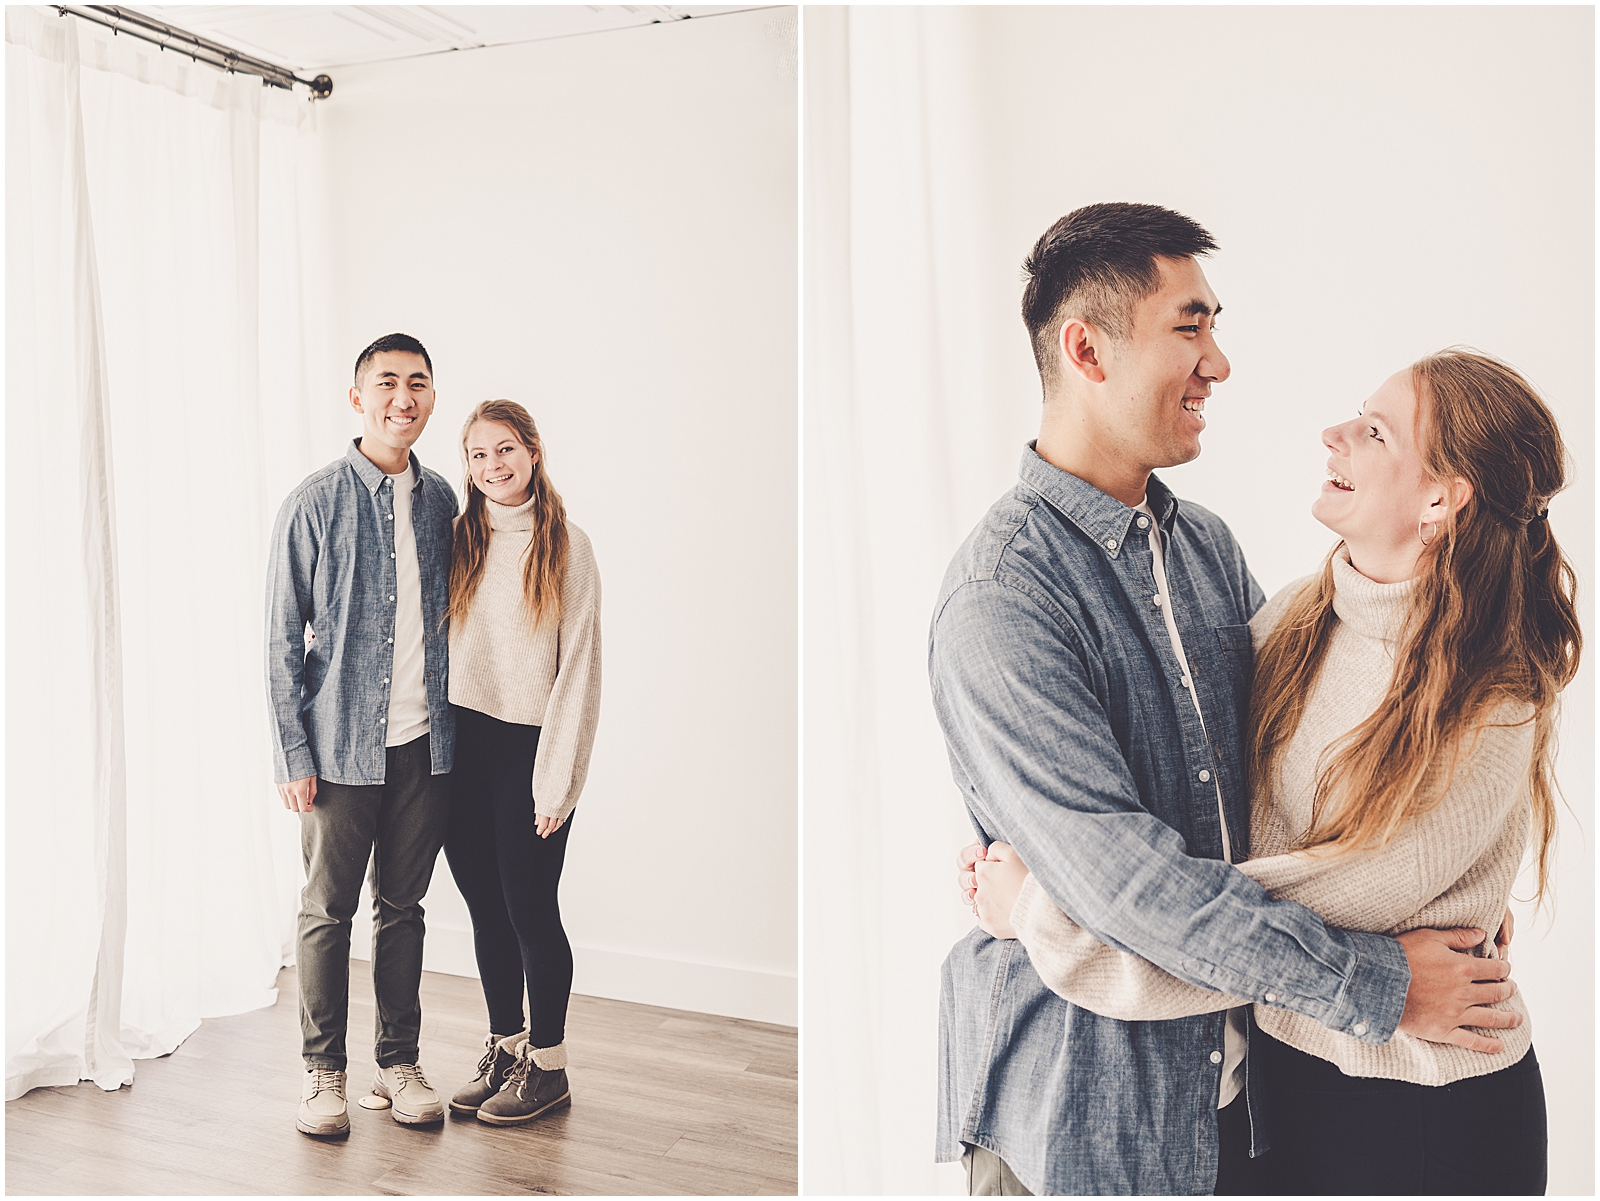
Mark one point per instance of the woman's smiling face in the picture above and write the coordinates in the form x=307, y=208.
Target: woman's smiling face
x=1377, y=490
x=501, y=466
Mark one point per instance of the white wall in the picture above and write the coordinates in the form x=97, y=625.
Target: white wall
x=603, y=228
x=1383, y=182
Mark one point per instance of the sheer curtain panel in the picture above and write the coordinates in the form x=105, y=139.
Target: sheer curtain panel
x=161, y=246
x=901, y=455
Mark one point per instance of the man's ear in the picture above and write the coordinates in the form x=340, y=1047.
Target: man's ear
x=355, y=399
x=1079, y=345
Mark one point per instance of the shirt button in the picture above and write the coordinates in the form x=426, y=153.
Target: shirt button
x=1111, y=544
x=1216, y=1057
x=1271, y=996
x=1204, y=775
x=1359, y=1028
x=391, y=641
x=385, y=679
x=391, y=554
x=391, y=516
x=383, y=721
x=1144, y=522
x=1156, y=601
x=391, y=598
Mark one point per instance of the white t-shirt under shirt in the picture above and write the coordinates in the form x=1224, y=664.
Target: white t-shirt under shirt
x=408, y=685
x=1234, y=1040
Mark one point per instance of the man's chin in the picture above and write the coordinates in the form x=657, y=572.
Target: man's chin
x=1179, y=454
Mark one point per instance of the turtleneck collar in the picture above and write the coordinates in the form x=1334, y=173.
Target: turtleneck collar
x=510, y=517
x=1369, y=608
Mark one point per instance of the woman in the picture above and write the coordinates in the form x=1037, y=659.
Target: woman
x=1402, y=717
x=525, y=684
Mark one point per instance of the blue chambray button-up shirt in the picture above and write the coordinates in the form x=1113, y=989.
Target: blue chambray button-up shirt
x=333, y=568
x=1072, y=737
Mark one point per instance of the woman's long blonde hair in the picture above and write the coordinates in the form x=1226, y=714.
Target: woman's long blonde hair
x=544, y=567
x=1492, y=618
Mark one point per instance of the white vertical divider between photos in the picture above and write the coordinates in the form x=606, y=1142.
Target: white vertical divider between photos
x=141, y=749
x=896, y=452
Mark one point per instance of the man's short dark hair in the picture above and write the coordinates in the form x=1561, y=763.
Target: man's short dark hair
x=403, y=343
x=1097, y=263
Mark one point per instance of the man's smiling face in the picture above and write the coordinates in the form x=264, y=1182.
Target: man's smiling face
x=394, y=398
x=1158, y=378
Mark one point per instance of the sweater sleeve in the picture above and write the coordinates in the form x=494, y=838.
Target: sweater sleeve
x=573, y=711
x=1374, y=890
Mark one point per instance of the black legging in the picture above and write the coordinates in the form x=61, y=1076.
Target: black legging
x=1338, y=1135
x=509, y=876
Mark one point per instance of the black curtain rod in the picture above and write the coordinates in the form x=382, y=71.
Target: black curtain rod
x=124, y=20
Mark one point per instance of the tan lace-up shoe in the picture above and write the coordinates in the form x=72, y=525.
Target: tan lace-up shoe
x=322, y=1108
x=412, y=1099
x=492, y=1070
x=536, y=1084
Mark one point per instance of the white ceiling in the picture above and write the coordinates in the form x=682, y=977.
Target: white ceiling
x=320, y=37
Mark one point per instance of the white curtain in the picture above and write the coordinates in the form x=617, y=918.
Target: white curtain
x=161, y=285
x=901, y=456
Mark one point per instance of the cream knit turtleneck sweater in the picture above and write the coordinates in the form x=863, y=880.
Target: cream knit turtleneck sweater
x=534, y=676
x=1453, y=866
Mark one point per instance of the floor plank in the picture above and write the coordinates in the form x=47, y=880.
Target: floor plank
x=664, y=1103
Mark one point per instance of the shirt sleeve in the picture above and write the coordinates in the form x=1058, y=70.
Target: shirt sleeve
x=290, y=570
x=1033, y=745
x=573, y=711
x=1379, y=890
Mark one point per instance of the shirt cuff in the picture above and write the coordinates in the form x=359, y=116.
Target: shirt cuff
x=294, y=765
x=1374, y=996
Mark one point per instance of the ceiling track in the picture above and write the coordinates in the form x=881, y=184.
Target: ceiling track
x=202, y=50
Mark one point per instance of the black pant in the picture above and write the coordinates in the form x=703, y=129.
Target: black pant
x=400, y=824
x=509, y=877
x=1356, y=1136
x=1237, y=1174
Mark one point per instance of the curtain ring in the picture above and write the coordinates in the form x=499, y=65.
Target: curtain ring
x=1420, y=538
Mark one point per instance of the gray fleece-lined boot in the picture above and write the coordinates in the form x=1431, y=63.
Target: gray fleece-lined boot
x=499, y=1056
x=536, y=1084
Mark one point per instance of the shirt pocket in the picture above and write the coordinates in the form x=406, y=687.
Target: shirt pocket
x=1238, y=653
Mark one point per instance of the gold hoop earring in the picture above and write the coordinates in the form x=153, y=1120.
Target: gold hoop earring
x=1420, y=538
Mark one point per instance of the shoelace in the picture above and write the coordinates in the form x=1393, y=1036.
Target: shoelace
x=409, y=1073
x=329, y=1079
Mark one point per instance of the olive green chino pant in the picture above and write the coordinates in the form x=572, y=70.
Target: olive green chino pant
x=401, y=824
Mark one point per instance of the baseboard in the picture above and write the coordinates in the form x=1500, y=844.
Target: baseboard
x=644, y=979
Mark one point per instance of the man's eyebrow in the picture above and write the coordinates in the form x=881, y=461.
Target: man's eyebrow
x=417, y=375
x=1198, y=308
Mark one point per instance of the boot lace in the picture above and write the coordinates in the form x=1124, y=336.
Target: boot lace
x=517, y=1077
x=486, y=1064
x=327, y=1080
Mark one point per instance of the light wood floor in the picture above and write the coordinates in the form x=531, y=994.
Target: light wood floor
x=663, y=1102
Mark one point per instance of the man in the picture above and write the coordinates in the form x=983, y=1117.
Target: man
x=357, y=590
x=1090, y=662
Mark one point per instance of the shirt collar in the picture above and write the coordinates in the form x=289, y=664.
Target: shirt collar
x=1104, y=518
x=371, y=474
